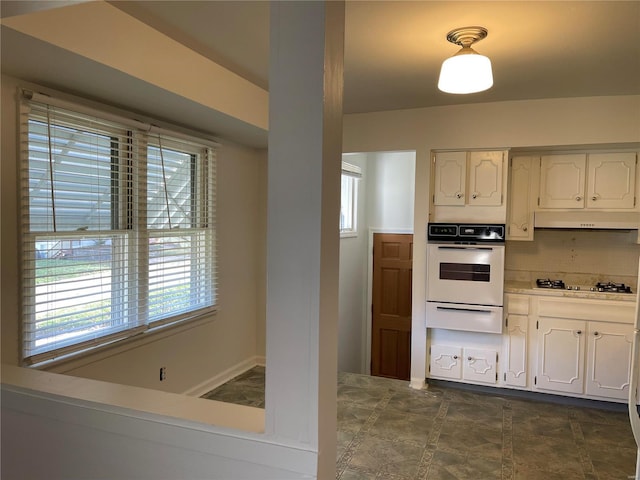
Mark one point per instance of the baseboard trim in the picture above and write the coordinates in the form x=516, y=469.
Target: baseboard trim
x=614, y=406
x=225, y=376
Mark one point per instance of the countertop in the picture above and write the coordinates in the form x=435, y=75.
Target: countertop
x=529, y=288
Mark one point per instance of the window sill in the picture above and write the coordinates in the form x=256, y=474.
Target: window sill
x=348, y=234
x=79, y=359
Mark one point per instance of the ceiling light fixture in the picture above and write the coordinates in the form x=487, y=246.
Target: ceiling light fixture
x=467, y=71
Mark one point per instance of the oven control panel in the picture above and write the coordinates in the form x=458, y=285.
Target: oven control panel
x=465, y=232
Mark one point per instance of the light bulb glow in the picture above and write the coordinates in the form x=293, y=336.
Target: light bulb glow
x=466, y=72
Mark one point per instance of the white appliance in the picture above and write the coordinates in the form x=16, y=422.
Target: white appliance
x=465, y=277
x=633, y=381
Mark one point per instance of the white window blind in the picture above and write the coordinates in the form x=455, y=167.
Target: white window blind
x=118, y=230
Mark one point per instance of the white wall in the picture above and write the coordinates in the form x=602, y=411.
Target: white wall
x=565, y=121
x=193, y=355
x=390, y=190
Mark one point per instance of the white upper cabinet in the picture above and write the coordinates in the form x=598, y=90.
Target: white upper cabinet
x=593, y=181
x=468, y=178
x=523, y=180
x=611, y=180
x=562, y=181
x=450, y=178
x=485, y=178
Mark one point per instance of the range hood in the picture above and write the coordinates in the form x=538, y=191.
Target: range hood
x=587, y=219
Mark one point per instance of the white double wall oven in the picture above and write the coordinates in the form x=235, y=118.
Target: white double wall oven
x=465, y=277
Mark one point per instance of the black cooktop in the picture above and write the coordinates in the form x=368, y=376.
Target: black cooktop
x=607, y=287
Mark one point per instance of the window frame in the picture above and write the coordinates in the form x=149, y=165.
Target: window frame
x=126, y=199
x=351, y=174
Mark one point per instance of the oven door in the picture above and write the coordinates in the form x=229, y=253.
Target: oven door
x=467, y=274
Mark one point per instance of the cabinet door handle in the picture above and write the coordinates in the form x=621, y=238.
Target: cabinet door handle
x=459, y=195
x=469, y=358
x=594, y=198
x=595, y=334
x=578, y=198
x=455, y=357
x=525, y=228
x=579, y=332
x=475, y=195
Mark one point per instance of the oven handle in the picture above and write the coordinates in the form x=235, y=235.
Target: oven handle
x=463, y=248
x=458, y=309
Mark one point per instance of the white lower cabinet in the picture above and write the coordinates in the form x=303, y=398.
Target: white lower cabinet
x=473, y=365
x=608, y=359
x=561, y=347
x=446, y=362
x=515, y=350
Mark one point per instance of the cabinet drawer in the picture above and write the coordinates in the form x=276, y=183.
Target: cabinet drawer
x=586, y=309
x=518, y=304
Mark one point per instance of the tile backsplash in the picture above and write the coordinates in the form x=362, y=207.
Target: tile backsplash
x=580, y=257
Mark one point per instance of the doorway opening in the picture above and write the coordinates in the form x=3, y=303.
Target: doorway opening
x=385, y=205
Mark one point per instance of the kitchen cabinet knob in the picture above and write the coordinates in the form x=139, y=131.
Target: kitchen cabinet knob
x=469, y=358
x=525, y=228
x=459, y=195
x=455, y=357
x=594, y=198
x=579, y=332
x=578, y=198
x=475, y=195
x=595, y=334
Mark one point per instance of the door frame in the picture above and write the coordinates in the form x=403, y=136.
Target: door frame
x=366, y=360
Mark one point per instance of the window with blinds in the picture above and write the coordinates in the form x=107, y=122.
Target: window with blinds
x=118, y=229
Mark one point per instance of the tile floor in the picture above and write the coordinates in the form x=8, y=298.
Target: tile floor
x=388, y=431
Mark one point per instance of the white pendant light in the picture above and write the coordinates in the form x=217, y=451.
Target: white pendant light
x=467, y=71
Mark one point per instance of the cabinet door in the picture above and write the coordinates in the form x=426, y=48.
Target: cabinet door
x=485, y=178
x=562, y=181
x=514, y=355
x=450, y=178
x=521, y=193
x=561, y=346
x=479, y=365
x=611, y=180
x=446, y=362
x=609, y=359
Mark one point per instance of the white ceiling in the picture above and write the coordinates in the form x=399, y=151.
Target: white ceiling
x=393, y=49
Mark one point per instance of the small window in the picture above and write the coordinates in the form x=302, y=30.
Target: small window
x=349, y=200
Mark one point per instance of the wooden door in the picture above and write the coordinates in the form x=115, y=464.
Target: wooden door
x=391, y=319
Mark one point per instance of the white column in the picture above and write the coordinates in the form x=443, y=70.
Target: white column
x=305, y=146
